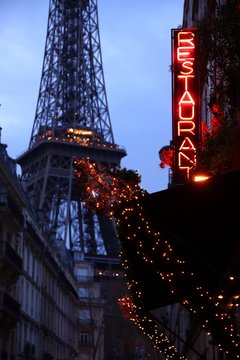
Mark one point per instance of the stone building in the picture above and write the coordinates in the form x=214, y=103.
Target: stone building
x=38, y=293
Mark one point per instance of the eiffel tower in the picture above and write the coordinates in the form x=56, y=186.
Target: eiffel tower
x=71, y=120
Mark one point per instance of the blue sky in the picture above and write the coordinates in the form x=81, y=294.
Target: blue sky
x=136, y=50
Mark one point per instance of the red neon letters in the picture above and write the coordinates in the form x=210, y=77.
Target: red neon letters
x=184, y=96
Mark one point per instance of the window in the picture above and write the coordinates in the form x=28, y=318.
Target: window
x=83, y=292
x=84, y=339
x=84, y=314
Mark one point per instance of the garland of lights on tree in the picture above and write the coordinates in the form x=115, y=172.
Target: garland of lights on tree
x=117, y=193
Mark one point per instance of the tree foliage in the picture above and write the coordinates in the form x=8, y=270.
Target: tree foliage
x=219, y=65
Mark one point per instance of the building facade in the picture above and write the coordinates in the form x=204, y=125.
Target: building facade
x=39, y=299
x=103, y=332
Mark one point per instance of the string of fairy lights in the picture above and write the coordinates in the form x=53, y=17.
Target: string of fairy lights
x=117, y=193
x=209, y=310
x=75, y=136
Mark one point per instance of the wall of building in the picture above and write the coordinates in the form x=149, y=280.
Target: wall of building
x=38, y=294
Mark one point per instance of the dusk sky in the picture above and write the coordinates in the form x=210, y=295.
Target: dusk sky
x=136, y=50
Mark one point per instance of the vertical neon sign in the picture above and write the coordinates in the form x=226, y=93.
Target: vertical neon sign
x=185, y=103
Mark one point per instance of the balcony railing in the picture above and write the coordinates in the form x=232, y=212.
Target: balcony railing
x=85, y=345
x=86, y=323
x=91, y=301
x=84, y=279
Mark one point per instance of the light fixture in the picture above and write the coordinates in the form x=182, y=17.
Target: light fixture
x=200, y=177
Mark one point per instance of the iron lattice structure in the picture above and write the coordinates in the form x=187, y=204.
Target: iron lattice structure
x=71, y=121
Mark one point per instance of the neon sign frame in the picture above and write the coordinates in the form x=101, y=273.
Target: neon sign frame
x=185, y=103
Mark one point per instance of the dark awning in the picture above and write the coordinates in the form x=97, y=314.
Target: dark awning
x=202, y=222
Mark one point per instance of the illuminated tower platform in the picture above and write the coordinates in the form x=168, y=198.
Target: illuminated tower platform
x=72, y=121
